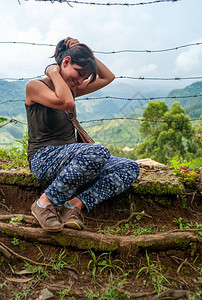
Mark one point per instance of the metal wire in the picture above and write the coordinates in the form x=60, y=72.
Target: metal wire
x=140, y=120
x=158, y=78
x=12, y=121
x=119, y=98
x=137, y=99
x=70, y=2
x=117, y=77
x=113, y=51
x=112, y=119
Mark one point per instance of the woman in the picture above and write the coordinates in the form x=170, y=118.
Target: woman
x=80, y=174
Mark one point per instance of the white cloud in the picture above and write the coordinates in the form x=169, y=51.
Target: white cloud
x=155, y=26
x=147, y=70
x=189, y=61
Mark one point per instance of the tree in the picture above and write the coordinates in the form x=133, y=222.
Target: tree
x=166, y=133
x=2, y=119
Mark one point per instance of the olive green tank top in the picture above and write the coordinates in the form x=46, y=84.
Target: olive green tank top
x=48, y=127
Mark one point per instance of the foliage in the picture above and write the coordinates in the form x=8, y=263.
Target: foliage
x=15, y=157
x=112, y=292
x=58, y=261
x=17, y=219
x=64, y=293
x=166, y=133
x=184, y=224
x=104, y=262
x=2, y=119
x=129, y=229
x=119, y=133
x=155, y=272
x=115, y=151
x=15, y=241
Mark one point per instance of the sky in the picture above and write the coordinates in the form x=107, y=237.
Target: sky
x=106, y=28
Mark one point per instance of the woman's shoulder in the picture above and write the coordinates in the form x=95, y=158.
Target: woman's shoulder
x=32, y=90
x=33, y=83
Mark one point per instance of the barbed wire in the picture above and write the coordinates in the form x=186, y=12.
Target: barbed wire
x=119, y=98
x=113, y=51
x=112, y=119
x=70, y=2
x=22, y=78
x=141, y=120
x=117, y=77
x=13, y=121
x=137, y=99
x=157, y=78
x=10, y=101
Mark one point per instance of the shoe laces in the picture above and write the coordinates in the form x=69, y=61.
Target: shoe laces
x=51, y=208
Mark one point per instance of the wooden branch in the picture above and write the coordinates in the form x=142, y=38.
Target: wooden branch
x=6, y=207
x=131, y=216
x=84, y=240
x=8, y=250
x=25, y=218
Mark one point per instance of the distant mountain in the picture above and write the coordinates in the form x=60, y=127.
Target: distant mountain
x=192, y=105
x=9, y=91
x=118, y=132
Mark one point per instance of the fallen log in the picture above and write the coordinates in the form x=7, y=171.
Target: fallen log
x=125, y=245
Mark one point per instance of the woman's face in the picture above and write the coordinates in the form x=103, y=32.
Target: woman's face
x=73, y=73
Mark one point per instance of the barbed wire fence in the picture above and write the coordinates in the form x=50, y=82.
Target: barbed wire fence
x=113, y=51
x=140, y=99
x=108, y=4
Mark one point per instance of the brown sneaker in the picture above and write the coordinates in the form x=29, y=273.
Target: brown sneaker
x=72, y=218
x=47, y=217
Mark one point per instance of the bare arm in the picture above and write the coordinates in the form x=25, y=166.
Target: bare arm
x=105, y=76
x=59, y=98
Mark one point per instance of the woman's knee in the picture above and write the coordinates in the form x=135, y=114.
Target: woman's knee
x=135, y=169
x=97, y=151
x=130, y=167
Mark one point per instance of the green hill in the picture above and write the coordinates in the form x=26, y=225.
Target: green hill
x=192, y=105
x=119, y=133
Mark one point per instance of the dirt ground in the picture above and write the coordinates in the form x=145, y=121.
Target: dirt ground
x=36, y=270
x=67, y=273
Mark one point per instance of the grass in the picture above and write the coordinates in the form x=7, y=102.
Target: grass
x=64, y=292
x=195, y=163
x=129, y=229
x=13, y=158
x=155, y=272
x=104, y=263
x=111, y=292
x=185, y=224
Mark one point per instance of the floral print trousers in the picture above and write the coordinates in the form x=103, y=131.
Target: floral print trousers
x=85, y=171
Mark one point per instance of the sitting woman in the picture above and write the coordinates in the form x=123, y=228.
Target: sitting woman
x=80, y=175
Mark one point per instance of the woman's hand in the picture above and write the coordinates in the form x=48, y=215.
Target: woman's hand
x=52, y=68
x=70, y=42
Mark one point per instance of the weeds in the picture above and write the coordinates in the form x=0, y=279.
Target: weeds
x=104, y=262
x=14, y=158
x=155, y=274
x=64, y=293
x=112, y=292
x=15, y=220
x=15, y=241
x=184, y=224
x=37, y=269
x=129, y=229
x=57, y=262
x=3, y=284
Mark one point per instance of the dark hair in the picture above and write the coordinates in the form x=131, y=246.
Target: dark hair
x=80, y=54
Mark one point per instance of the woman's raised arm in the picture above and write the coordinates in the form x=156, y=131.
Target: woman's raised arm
x=105, y=76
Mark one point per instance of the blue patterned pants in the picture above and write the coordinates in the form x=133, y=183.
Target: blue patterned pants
x=85, y=171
